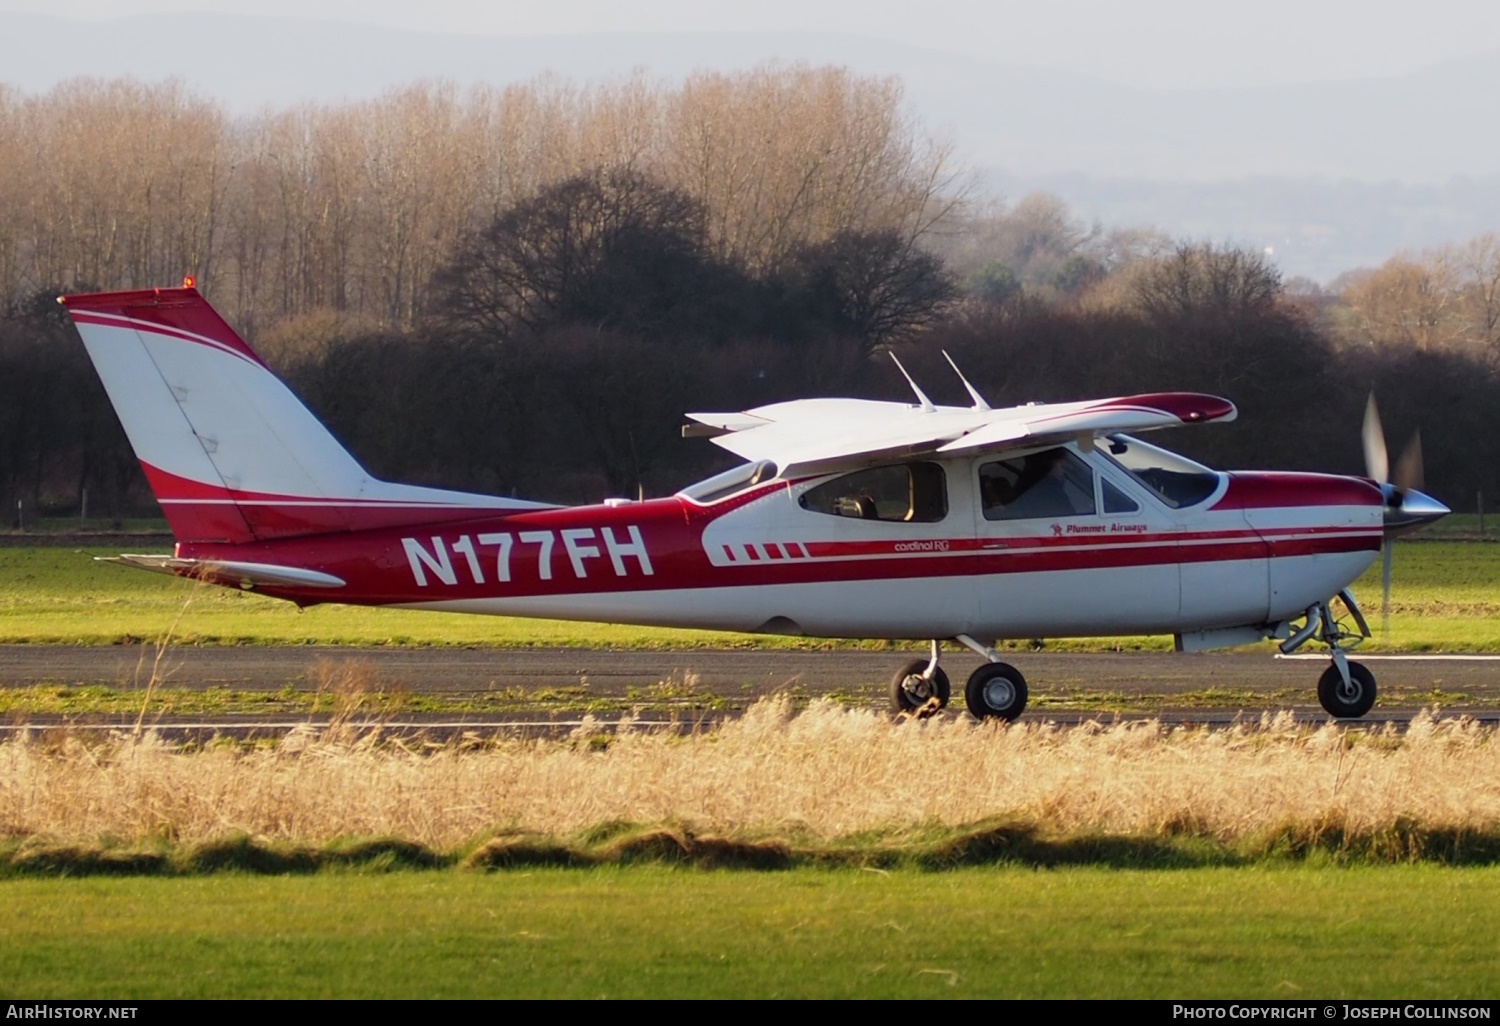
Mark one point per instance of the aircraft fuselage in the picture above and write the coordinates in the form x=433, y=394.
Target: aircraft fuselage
x=1259, y=548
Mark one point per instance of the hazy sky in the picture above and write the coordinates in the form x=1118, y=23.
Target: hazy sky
x=1156, y=43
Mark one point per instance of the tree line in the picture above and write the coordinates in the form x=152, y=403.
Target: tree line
x=522, y=291
x=351, y=207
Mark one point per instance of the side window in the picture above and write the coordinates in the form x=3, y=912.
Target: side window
x=1116, y=501
x=1044, y=485
x=912, y=492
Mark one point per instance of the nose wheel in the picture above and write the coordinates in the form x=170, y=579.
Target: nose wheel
x=1347, y=699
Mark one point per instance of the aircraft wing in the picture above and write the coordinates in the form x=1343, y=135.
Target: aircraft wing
x=823, y=431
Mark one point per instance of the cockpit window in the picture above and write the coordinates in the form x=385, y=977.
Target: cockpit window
x=731, y=482
x=1176, y=479
x=1045, y=485
x=910, y=492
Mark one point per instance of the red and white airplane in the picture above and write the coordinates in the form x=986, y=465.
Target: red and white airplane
x=851, y=518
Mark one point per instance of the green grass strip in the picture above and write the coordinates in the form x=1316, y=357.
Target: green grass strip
x=1292, y=931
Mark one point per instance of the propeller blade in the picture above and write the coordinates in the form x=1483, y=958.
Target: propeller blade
x=1385, y=583
x=1409, y=466
x=1377, y=463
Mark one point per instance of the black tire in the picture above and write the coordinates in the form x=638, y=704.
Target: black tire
x=909, y=691
x=1347, y=703
x=996, y=691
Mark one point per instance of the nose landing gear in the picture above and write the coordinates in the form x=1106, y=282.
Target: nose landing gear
x=1347, y=689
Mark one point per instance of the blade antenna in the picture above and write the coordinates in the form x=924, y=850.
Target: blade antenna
x=926, y=403
x=979, y=403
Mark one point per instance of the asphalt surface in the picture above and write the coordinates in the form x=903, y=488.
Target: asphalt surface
x=692, y=687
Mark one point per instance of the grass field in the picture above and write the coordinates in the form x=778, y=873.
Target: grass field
x=1447, y=598
x=1397, y=932
x=1464, y=527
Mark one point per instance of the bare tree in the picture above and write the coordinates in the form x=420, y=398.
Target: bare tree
x=608, y=249
x=1479, y=263
x=783, y=158
x=1407, y=301
x=1205, y=280
x=876, y=286
x=13, y=161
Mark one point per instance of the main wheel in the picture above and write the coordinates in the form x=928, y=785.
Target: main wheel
x=1347, y=701
x=996, y=691
x=910, y=690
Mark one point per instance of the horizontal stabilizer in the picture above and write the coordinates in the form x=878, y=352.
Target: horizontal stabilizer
x=231, y=572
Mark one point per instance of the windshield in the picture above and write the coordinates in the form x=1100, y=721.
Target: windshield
x=1176, y=480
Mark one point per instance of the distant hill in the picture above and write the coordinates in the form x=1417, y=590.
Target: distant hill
x=1315, y=228
x=1104, y=147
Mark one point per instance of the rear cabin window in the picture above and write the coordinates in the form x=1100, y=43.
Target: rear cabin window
x=731, y=482
x=1043, y=486
x=914, y=493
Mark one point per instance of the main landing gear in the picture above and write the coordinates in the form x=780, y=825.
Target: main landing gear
x=995, y=691
x=920, y=688
x=1346, y=689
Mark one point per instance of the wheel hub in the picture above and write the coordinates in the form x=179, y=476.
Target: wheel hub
x=999, y=693
x=918, y=687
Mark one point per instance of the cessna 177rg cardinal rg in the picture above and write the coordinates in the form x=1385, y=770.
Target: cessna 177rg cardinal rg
x=851, y=518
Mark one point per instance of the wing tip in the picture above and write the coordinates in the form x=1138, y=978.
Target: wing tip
x=1188, y=407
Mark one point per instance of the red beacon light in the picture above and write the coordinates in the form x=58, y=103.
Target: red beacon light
x=188, y=281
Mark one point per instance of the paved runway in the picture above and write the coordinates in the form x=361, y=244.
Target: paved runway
x=707, y=684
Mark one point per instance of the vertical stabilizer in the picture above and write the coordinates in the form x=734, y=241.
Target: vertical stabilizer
x=231, y=454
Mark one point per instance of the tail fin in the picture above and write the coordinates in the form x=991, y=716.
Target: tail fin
x=230, y=452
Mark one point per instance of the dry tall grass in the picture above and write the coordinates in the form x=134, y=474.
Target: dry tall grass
x=825, y=772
